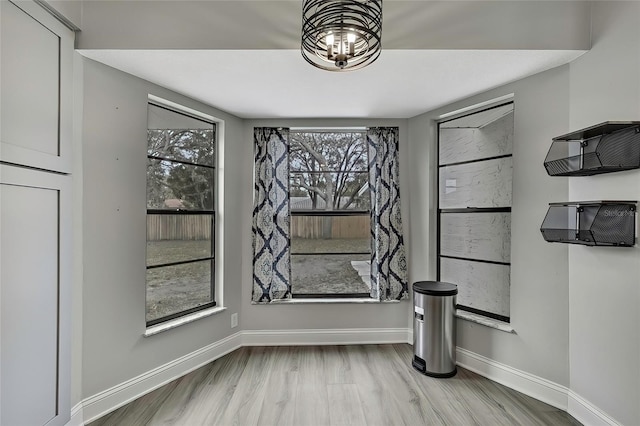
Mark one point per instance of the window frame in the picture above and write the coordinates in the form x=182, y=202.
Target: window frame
x=329, y=213
x=216, y=127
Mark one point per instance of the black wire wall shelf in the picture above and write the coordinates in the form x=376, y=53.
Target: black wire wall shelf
x=591, y=223
x=608, y=147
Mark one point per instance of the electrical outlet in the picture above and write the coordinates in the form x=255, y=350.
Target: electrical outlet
x=234, y=320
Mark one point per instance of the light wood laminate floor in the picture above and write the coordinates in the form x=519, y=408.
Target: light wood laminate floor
x=330, y=385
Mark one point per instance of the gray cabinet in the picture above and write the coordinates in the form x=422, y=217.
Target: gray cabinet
x=36, y=53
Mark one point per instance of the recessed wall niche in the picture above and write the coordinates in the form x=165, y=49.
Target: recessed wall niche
x=474, y=209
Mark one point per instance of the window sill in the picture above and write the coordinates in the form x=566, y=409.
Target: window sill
x=488, y=322
x=159, y=328
x=301, y=301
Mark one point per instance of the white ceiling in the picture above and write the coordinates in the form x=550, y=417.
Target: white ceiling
x=279, y=83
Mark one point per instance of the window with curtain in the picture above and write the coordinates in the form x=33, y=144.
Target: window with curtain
x=474, y=206
x=326, y=219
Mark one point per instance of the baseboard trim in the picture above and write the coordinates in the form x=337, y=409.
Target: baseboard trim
x=529, y=384
x=587, y=413
x=77, y=415
x=104, y=402
x=347, y=336
x=536, y=387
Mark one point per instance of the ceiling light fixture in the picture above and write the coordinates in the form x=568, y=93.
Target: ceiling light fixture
x=341, y=35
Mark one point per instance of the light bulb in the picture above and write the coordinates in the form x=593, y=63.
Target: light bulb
x=330, y=39
x=351, y=37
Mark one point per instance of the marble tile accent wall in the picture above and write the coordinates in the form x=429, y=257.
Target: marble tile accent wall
x=481, y=184
x=484, y=286
x=483, y=236
x=467, y=144
x=470, y=176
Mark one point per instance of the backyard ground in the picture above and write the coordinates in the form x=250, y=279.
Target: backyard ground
x=172, y=289
x=327, y=273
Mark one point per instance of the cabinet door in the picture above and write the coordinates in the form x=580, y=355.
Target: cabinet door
x=36, y=52
x=34, y=297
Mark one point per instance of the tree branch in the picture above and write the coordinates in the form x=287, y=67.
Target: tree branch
x=313, y=189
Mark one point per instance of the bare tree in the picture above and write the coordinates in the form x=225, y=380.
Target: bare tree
x=329, y=166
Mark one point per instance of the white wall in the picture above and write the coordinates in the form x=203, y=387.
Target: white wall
x=325, y=315
x=604, y=283
x=539, y=271
x=114, y=232
x=71, y=10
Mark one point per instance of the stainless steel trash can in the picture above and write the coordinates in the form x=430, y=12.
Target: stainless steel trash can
x=434, y=328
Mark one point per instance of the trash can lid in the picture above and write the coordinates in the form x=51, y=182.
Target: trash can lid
x=435, y=288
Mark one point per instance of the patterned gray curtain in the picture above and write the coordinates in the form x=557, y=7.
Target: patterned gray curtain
x=388, y=261
x=271, y=267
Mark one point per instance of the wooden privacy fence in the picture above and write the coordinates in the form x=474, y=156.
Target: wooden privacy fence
x=178, y=227
x=198, y=227
x=341, y=226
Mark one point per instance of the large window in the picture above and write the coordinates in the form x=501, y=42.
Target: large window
x=474, y=205
x=180, y=214
x=329, y=214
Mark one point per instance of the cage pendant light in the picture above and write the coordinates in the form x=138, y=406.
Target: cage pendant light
x=341, y=35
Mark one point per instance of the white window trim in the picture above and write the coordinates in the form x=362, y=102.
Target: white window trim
x=178, y=107
x=486, y=321
x=325, y=300
x=186, y=319
x=472, y=109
